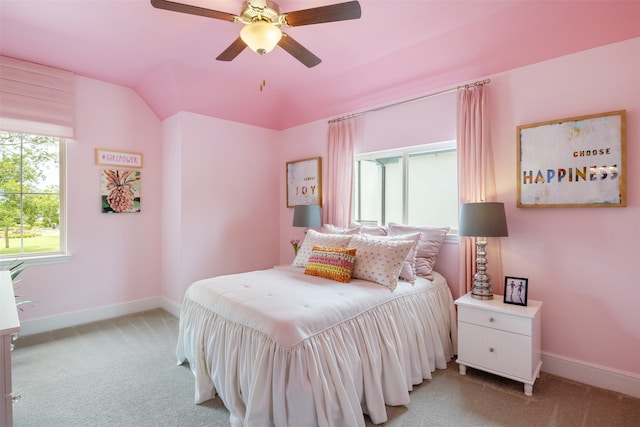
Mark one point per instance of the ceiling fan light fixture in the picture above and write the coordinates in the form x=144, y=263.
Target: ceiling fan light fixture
x=261, y=36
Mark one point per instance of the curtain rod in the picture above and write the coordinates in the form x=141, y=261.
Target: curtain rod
x=419, y=98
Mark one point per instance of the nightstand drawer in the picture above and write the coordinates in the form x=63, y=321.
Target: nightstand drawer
x=495, y=350
x=495, y=320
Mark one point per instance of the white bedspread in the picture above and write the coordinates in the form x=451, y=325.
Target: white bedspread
x=286, y=349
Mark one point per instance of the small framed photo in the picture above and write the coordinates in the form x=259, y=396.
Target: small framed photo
x=515, y=290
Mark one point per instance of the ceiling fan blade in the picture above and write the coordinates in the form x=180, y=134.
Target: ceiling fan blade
x=192, y=10
x=232, y=51
x=318, y=15
x=298, y=51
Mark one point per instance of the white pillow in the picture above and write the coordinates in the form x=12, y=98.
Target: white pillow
x=379, y=260
x=408, y=270
x=314, y=238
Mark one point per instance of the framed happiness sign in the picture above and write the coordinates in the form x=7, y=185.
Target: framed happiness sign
x=574, y=162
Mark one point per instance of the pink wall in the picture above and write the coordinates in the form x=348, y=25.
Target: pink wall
x=583, y=263
x=114, y=257
x=218, y=193
x=301, y=142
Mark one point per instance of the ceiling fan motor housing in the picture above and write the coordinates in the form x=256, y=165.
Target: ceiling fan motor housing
x=252, y=12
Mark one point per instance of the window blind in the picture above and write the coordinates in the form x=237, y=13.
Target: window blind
x=36, y=99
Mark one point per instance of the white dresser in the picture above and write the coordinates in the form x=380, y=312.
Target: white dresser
x=503, y=339
x=9, y=324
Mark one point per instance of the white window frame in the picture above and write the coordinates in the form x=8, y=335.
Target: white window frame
x=404, y=153
x=62, y=254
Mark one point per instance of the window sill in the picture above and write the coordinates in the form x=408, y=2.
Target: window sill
x=452, y=238
x=36, y=260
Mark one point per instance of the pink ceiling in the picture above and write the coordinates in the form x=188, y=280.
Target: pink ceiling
x=396, y=50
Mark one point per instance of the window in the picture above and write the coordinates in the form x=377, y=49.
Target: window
x=415, y=185
x=31, y=195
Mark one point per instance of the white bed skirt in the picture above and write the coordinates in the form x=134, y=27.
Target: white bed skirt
x=329, y=379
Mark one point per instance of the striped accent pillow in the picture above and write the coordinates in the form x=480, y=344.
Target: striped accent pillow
x=331, y=263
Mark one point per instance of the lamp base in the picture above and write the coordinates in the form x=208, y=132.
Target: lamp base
x=481, y=281
x=476, y=295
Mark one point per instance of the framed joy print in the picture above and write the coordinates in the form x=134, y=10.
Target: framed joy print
x=304, y=182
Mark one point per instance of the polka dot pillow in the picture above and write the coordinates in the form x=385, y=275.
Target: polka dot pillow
x=379, y=261
x=408, y=270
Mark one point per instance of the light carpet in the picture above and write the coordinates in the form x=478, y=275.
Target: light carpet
x=123, y=372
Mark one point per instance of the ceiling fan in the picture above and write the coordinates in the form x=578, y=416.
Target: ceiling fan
x=262, y=22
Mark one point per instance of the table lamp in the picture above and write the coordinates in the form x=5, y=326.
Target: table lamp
x=482, y=220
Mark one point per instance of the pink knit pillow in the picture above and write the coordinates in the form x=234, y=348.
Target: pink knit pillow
x=331, y=263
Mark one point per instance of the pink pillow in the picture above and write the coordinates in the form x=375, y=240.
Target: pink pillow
x=369, y=230
x=428, y=246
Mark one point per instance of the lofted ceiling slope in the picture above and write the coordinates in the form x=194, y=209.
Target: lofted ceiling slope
x=398, y=49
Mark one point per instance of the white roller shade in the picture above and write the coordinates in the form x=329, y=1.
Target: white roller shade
x=36, y=99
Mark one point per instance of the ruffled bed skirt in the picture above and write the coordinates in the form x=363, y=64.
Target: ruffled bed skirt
x=329, y=379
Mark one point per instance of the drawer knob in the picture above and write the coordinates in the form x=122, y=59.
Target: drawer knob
x=490, y=349
x=491, y=319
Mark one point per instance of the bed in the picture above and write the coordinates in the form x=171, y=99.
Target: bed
x=285, y=348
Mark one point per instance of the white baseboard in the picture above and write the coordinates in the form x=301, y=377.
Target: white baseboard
x=46, y=324
x=170, y=306
x=591, y=374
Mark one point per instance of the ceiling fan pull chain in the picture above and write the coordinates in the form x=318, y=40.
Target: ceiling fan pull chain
x=264, y=81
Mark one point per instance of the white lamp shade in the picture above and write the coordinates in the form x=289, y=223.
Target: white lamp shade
x=261, y=36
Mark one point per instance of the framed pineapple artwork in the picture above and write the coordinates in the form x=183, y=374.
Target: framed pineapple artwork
x=120, y=191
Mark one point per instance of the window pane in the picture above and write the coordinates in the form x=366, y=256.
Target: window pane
x=40, y=223
x=9, y=165
x=416, y=185
x=30, y=198
x=10, y=223
x=433, y=189
x=369, y=197
x=393, y=189
x=41, y=160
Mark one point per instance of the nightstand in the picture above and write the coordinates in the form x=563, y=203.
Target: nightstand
x=503, y=339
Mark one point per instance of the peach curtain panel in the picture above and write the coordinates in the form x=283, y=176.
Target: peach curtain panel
x=339, y=179
x=476, y=178
x=36, y=99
